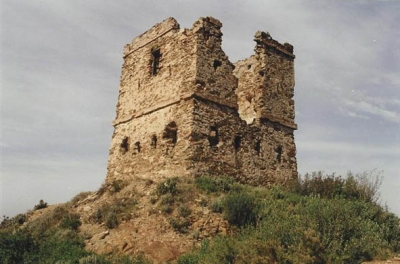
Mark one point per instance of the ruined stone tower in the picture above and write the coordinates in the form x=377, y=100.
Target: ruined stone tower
x=185, y=109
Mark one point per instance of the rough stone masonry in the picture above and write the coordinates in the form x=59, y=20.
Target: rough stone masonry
x=185, y=109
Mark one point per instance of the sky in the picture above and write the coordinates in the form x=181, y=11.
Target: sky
x=61, y=62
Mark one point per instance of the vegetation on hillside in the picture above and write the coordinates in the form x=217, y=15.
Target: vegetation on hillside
x=320, y=219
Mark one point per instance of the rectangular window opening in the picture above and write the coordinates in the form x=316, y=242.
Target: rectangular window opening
x=155, y=64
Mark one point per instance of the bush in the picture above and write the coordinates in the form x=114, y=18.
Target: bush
x=71, y=221
x=93, y=259
x=363, y=186
x=111, y=220
x=240, y=209
x=168, y=186
x=79, y=197
x=40, y=205
x=180, y=225
x=215, y=184
x=167, y=199
x=117, y=186
x=111, y=214
x=15, y=221
x=331, y=224
x=18, y=247
x=217, y=206
x=184, y=211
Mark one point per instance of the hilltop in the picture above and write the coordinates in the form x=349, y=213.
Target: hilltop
x=323, y=219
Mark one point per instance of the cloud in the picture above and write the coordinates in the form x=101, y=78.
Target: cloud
x=62, y=60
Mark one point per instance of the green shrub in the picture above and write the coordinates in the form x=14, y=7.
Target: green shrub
x=240, y=208
x=93, y=259
x=167, y=199
x=79, y=197
x=166, y=209
x=184, y=211
x=188, y=259
x=111, y=220
x=180, y=225
x=217, y=206
x=168, y=186
x=215, y=184
x=40, y=205
x=15, y=221
x=62, y=246
x=18, y=247
x=115, y=212
x=71, y=221
x=321, y=227
x=117, y=186
x=363, y=186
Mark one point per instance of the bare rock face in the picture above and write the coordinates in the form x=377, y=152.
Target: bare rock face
x=185, y=109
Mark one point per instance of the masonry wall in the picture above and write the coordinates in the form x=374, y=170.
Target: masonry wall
x=153, y=150
x=153, y=117
x=143, y=89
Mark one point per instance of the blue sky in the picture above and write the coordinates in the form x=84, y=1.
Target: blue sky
x=61, y=63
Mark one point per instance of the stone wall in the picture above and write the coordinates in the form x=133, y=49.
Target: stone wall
x=183, y=108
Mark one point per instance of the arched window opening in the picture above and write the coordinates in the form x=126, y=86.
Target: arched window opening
x=171, y=133
x=213, y=136
x=153, y=141
x=137, y=145
x=237, y=142
x=124, y=146
x=278, y=151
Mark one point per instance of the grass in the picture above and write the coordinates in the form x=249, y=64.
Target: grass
x=320, y=219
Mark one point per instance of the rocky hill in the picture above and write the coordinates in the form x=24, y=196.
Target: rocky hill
x=207, y=220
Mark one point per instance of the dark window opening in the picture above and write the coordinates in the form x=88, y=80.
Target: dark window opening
x=137, y=145
x=171, y=132
x=124, y=145
x=237, y=142
x=206, y=35
x=257, y=147
x=213, y=136
x=217, y=64
x=261, y=73
x=278, y=151
x=155, y=62
x=154, y=142
x=249, y=66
